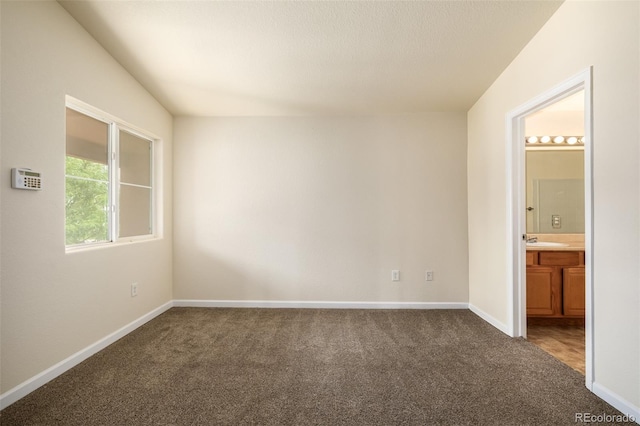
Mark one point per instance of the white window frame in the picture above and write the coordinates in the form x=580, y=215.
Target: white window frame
x=115, y=125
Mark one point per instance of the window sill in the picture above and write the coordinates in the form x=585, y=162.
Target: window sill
x=99, y=246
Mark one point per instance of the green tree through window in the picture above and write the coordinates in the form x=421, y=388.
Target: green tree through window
x=87, y=201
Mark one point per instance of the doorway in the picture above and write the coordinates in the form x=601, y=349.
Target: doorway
x=554, y=188
x=550, y=272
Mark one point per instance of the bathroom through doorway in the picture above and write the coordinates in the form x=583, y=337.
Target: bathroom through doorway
x=550, y=224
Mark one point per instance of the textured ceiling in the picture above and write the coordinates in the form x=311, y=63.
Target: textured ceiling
x=244, y=58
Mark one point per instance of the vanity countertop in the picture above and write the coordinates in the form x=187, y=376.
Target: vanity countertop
x=575, y=242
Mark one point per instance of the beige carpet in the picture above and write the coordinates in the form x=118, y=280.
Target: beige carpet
x=193, y=366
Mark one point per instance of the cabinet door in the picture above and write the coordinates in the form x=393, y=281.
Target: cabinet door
x=532, y=258
x=573, y=291
x=541, y=296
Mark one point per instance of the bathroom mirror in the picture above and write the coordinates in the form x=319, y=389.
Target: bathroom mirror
x=555, y=191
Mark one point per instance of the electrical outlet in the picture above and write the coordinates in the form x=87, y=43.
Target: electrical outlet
x=428, y=275
x=134, y=289
x=395, y=275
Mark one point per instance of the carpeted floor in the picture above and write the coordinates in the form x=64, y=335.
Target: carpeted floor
x=198, y=366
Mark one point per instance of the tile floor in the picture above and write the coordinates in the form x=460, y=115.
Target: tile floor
x=566, y=343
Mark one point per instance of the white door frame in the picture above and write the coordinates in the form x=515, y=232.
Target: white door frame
x=516, y=217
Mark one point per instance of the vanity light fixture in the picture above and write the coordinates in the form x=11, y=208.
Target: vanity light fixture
x=559, y=141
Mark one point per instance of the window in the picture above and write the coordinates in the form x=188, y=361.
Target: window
x=108, y=179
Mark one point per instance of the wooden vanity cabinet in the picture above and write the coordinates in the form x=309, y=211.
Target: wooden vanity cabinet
x=555, y=284
x=573, y=291
x=543, y=291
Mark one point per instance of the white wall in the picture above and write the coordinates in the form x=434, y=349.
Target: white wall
x=580, y=34
x=55, y=304
x=321, y=209
x=555, y=123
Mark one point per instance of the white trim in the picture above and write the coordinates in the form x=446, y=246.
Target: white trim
x=28, y=386
x=491, y=320
x=516, y=225
x=589, y=229
x=621, y=404
x=315, y=304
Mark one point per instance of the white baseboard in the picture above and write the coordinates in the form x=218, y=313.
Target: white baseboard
x=315, y=305
x=491, y=320
x=621, y=404
x=25, y=388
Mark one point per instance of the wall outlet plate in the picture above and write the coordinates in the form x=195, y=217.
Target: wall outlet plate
x=395, y=275
x=134, y=289
x=428, y=276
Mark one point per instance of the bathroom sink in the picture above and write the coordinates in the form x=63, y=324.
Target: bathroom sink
x=546, y=244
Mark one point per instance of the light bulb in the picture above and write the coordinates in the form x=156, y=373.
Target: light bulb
x=545, y=139
x=581, y=140
x=572, y=140
x=532, y=139
x=558, y=139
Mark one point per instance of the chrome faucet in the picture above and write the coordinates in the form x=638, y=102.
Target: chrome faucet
x=533, y=239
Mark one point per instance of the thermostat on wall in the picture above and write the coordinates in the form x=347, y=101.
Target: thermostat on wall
x=26, y=179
